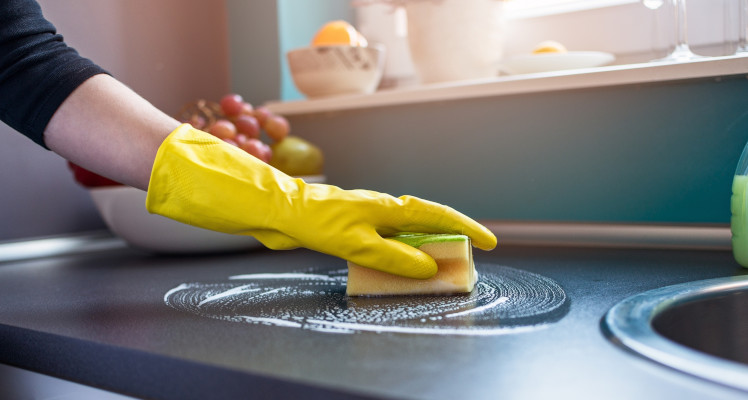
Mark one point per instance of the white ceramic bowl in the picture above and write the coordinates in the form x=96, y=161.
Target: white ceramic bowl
x=325, y=71
x=123, y=210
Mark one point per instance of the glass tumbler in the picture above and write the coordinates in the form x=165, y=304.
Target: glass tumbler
x=742, y=27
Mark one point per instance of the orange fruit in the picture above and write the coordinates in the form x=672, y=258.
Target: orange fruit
x=549, y=46
x=337, y=33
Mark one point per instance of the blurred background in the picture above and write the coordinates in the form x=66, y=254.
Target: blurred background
x=641, y=153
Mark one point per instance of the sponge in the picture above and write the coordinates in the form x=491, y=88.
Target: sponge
x=454, y=259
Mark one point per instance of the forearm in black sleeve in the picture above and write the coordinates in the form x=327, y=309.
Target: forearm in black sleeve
x=37, y=69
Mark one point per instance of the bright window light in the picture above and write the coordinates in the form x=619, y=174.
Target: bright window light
x=536, y=8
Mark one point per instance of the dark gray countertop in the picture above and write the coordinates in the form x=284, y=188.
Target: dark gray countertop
x=100, y=318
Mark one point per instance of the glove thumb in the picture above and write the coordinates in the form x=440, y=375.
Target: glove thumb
x=394, y=257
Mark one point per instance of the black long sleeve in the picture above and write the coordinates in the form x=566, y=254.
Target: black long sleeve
x=38, y=71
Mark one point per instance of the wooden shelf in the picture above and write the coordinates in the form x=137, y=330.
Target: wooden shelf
x=708, y=67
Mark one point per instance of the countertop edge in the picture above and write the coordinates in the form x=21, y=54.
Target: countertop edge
x=577, y=234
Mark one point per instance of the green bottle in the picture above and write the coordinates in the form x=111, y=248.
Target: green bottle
x=739, y=208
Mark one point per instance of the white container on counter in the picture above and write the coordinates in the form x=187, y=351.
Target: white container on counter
x=455, y=39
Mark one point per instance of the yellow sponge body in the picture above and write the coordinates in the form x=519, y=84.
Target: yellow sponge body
x=454, y=258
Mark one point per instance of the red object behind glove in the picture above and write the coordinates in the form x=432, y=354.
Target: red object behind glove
x=90, y=179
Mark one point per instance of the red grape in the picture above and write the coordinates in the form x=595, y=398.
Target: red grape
x=232, y=104
x=262, y=114
x=223, y=129
x=276, y=127
x=247, y=109
x=267, y=153
x=240, y=139
x=253, y=147
x=247, y=125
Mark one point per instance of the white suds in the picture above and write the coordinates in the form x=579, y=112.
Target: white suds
x=230, y=292
x=505, y=300
x=283, y=276
x=493, y=304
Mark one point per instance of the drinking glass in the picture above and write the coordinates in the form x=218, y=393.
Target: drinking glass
x=682, y=51
x=742, y=27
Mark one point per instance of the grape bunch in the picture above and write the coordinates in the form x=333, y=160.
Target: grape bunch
x=236, y=122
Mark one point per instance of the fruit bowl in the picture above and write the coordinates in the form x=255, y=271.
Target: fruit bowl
x=324, y=71
x=123, y=210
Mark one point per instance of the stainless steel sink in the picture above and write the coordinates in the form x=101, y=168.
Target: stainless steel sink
x=700, y=328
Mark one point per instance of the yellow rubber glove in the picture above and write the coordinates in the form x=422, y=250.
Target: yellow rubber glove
x=202, y=181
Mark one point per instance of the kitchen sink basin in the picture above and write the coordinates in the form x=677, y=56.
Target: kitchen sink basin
x=700, y=328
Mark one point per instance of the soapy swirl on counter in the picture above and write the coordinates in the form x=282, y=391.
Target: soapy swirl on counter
x=505, y=300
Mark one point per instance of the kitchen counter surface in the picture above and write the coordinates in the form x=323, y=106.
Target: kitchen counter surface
x=111, y=318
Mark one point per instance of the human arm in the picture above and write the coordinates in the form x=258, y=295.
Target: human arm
x=198, y=179
x=105, y=127
x=69, y=104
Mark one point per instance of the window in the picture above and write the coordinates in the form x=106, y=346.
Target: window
x=626, y=28
x=535, y=8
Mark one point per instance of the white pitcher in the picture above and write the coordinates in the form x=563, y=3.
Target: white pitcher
x=455, y=39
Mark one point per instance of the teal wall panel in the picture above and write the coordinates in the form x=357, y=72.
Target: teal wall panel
x=661, y=152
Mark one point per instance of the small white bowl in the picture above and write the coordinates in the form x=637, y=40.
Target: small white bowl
x=123, y=210
x=325, y=71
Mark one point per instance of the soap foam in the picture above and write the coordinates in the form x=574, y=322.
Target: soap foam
x=505, y=300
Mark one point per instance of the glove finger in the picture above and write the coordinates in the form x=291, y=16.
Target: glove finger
x=274, y=240
x=396, y=258
x=429, y=217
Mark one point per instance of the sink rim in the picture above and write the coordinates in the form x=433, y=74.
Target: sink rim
x=628, y=324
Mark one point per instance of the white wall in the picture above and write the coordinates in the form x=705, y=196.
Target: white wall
x=631, y=31
x=170, y=51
